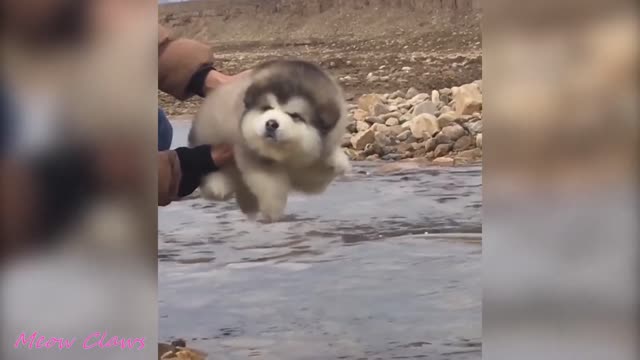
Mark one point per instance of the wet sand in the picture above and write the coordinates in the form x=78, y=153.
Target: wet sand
x=382, y=266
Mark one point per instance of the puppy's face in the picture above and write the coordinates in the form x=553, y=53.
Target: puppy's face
x=289, y=110
x=279, y=130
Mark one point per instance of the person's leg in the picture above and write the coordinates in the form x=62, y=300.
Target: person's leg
x=165, y=131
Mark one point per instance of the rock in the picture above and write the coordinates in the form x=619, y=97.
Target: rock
x=416, y=146
x=474, y=127
x=368, y=102
x=445, y=99
x=468, y=99
x=360, y=115
x=373, y=157
x=423, y=126
x=374, y=120
x=362, y=126
x=420, y=152
x=468, y=118
x=425, y=107
x=453, y=132
x=392, y=121
x=411, y=93
x=442, y=150
x=478, y=83
x=403, y=136
x=351, y=153
x=445, y=109
x=429, y=155
x=405, y=118
x=445, y=91
x=418, y=99
x=442, y=139
x=381, y=128
x=352, y=127
x=444, y=161
x=382, y=139
x=371, y=149
x=403, y=147
x=390, y=115
x=446, y=119
x=379, y=109
x=388, y=150
x=397, y=94
x=361, y=139
x=396, y=129
x=406, y=68
x=430, y=144
x=479, y=141
x=435, y=97
x=392, y=157
x=463, y=143
x=471, y=154
x=178, y=350
x=346, y=140
x=404, y=107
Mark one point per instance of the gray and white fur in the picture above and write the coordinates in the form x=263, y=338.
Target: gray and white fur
x=286, y=122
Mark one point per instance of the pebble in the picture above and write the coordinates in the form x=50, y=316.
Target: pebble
x=453, y=132
x=412, y=92
x=392, y=121
x=424, y=125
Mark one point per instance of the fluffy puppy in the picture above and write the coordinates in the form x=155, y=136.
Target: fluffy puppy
x=285, y=121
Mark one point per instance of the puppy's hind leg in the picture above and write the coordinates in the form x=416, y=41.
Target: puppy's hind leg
x=339, y=162
x=247, y=202
x=271, y=190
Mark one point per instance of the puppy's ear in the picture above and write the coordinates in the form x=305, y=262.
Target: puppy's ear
x=328, y=117
x=251, y=96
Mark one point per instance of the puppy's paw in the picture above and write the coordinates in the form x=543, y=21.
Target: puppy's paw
x=272, y=215
x=217, y=186
x=340, y=163
x=272, y=210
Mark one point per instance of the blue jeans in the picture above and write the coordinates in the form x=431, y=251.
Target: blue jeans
x=165, y=131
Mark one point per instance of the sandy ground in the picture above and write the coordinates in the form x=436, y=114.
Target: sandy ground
x=400, y=48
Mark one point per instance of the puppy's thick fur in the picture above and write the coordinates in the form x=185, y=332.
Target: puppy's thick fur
x=285, y=121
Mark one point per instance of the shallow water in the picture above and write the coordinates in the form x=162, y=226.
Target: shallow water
x=381, y=266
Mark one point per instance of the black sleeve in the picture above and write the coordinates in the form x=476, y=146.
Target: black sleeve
x=195, y=163
x=66, y=181
x=198, y=80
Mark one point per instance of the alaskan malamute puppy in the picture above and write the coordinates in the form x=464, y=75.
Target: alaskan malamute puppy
x=285, y=121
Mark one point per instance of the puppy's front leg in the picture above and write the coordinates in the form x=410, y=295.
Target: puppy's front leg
x=271, y=189
x=218, y=186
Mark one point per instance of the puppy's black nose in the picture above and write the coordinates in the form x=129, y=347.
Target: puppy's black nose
x=272, y=125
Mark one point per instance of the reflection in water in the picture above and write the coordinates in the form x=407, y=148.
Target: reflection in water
x=382, y=266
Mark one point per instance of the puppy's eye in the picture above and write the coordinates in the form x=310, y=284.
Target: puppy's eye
x=266, y=108
x=296, y=116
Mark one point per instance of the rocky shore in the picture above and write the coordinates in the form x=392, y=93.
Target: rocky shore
x=443, y=126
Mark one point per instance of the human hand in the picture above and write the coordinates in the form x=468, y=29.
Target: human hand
x=216, y=79
x=222, y=155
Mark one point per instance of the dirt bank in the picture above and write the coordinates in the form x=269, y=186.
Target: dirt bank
x=364, y=43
